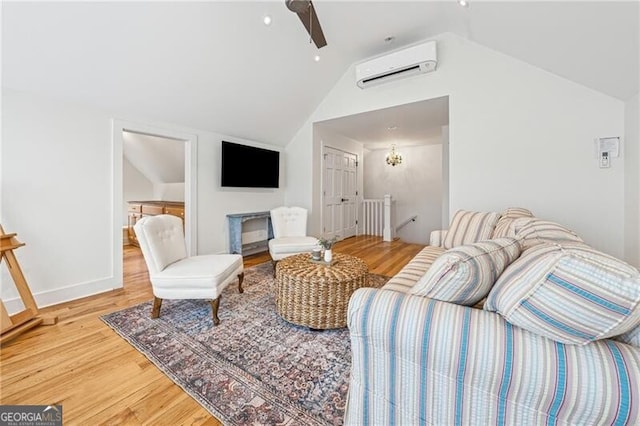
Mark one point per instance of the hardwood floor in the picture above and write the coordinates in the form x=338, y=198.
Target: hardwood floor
x=99, y=378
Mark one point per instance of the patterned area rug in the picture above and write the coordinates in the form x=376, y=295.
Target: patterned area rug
x=254, y=368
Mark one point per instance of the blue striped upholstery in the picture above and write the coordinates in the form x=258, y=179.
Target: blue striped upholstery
x=465, y=274
x=569, y=293
x=470, y=227
x=423, y=361
x=404, y=280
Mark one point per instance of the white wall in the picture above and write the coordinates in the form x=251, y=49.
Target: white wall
x=56, y=190
x=215, y=202
x=421, y=168
x=300, y=189
x=631, y=152
x=168, y=191
x=518, y=136
x=135, y=187
x=444, y=217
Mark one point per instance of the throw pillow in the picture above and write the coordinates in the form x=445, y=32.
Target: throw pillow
x=503, y=227
x=569, y=293
x=631, y=337
x=470, y=227
x=404, y=280
x=465, y=274
x=534, y=231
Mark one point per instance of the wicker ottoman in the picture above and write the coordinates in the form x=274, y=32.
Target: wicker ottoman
x=316, y=295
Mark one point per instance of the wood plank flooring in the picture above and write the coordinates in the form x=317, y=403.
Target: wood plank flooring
x=99, y=378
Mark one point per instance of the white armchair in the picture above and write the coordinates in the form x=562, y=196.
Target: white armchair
x=173, y=274
x=289, y=233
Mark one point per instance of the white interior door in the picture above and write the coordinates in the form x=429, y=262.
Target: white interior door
x=340, y=193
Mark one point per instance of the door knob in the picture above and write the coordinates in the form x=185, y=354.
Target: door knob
x=344, y=199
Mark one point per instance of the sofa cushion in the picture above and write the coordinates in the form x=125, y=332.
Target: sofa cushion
x=569, y=293
x=203, y=276
x=465, y=274
x=470, y=227
x=503, y=227
x=404, y=280
x=436, y=238
x=292, y=245
x=631, y=337
x=534, y=231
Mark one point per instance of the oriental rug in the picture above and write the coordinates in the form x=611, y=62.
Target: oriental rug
x=253, y=368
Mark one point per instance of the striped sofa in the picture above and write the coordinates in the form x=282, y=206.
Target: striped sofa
x=419, y=360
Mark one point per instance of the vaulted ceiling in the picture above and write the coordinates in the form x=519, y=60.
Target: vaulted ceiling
x=215, y=66
x=160, y=160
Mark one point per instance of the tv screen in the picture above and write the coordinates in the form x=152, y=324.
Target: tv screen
x=246, y=166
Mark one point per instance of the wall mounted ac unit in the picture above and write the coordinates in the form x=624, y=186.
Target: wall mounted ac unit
x=417, y=59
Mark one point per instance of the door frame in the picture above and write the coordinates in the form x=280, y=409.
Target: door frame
x=190, y=183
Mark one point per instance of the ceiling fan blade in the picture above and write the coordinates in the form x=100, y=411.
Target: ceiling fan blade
x=313, y=27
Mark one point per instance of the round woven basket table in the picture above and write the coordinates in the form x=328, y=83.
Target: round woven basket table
x=317, y=295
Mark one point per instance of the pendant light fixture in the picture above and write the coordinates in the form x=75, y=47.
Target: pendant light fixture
x=393, y=157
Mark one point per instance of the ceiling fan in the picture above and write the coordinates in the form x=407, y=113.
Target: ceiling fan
x=307, y=14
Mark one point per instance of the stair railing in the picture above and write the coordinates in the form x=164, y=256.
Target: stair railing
x=378, y=216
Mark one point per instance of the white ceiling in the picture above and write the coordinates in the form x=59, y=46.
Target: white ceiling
x=417, y=123
x=215, y=66
x=160, y=160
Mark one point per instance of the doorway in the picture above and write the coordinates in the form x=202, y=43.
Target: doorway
x=189, y=144
x=153, y=179
x=339, y=193
x=419, y=185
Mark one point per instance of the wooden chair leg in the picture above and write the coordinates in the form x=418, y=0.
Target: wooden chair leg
x=240, y=279
x=157, y=302
x=214, y=310
x=274, y=263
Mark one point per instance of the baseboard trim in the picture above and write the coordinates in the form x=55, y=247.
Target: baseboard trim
x=65, y=294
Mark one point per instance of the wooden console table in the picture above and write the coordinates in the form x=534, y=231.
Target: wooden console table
x=139, y=209
x=236, y=224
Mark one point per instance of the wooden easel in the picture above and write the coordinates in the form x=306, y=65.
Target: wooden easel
x=12, y=326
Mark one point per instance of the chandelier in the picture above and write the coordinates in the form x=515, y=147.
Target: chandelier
x=393, y=157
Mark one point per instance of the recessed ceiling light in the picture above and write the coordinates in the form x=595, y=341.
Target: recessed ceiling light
x=394, y=127
x=463, y=3
x=316, y=58
x=267, y=20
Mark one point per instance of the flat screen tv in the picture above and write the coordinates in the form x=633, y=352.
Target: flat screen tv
x=246, y=166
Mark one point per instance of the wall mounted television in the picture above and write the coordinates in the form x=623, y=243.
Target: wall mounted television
x=245, y=166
